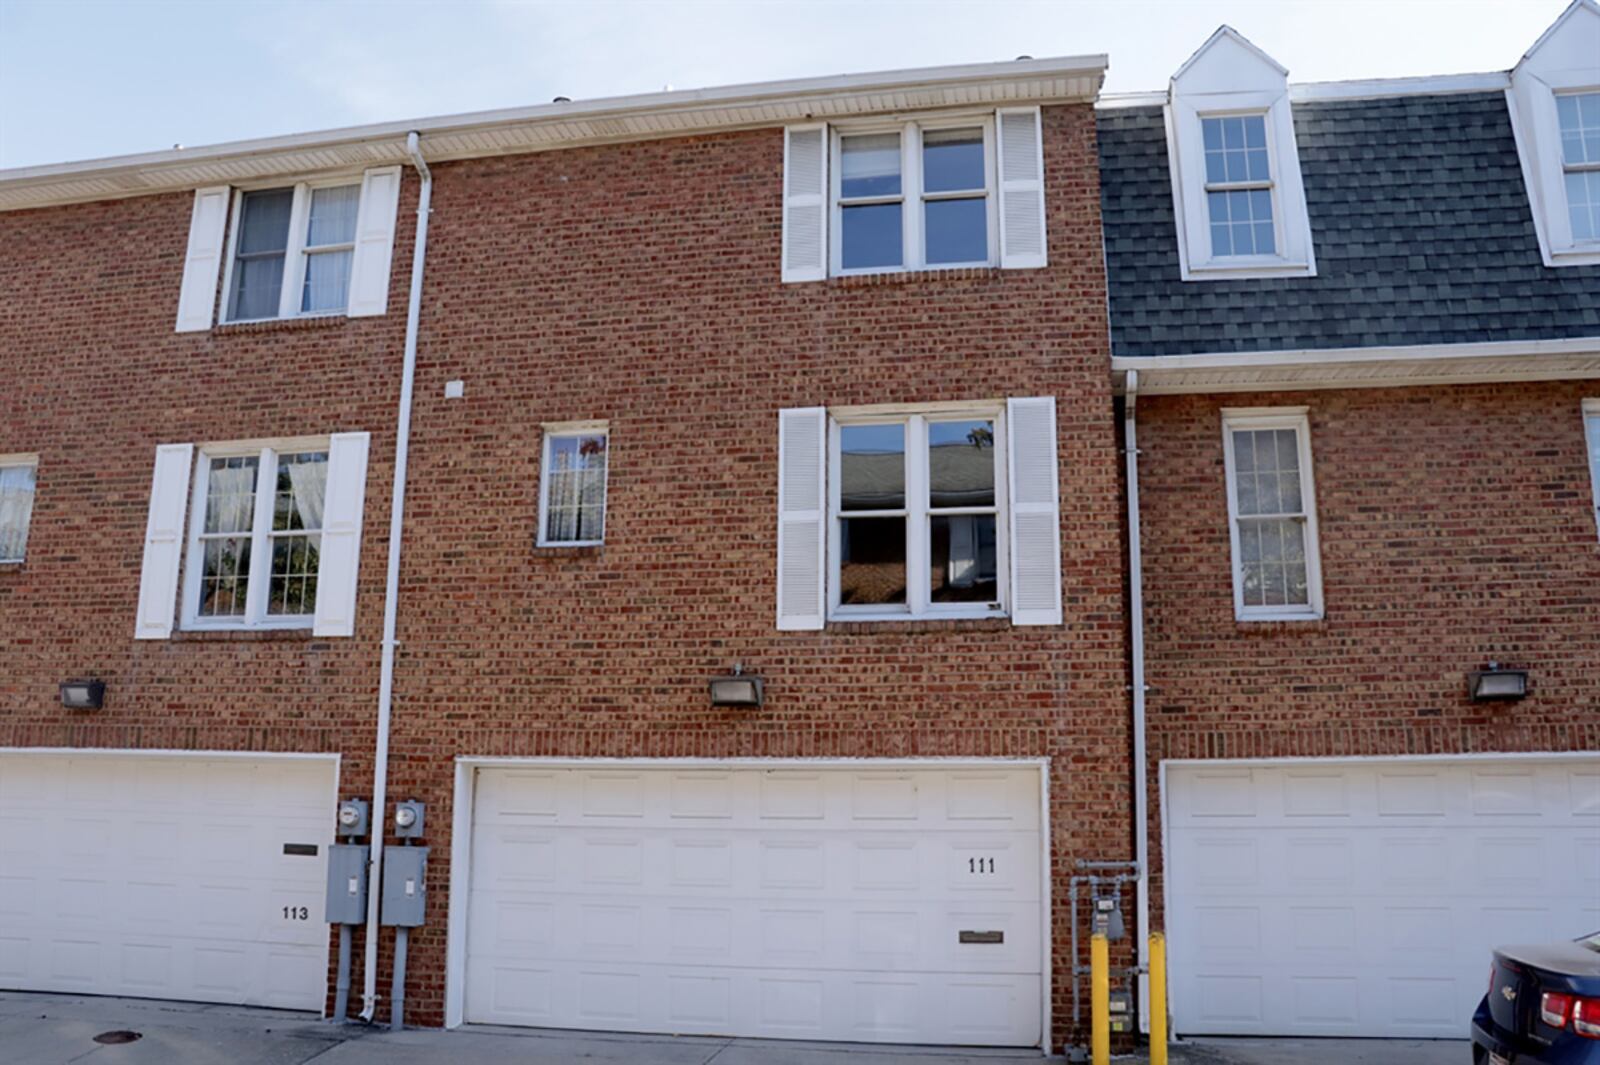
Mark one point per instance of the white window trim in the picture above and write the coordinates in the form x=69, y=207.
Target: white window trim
x=1591, y=439
x=913, y=246
x=255, y=615
x=30, y=460
x=1546, y=71
x=917, y=606
x=1248, y=418
x=1207, y=86
x=295, y=254
x=557, y=430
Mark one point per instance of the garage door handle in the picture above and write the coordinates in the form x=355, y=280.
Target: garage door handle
x=981, y=937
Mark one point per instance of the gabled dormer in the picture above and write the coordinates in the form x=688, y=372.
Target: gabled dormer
x=1555, y=109
x=1237, y=195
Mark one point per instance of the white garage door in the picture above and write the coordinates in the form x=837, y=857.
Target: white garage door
x=1351, y=899
x=165, y=876
x=801, y=903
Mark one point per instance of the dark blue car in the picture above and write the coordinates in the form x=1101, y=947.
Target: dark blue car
x=1543, y=1006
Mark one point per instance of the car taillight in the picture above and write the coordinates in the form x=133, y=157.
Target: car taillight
x=1586, y=1017
x=1555, y=1009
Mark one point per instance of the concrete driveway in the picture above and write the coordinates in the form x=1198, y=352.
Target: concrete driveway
x=37, y=1029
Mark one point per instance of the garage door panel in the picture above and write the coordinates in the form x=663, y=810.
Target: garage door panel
x=803, y=903
x=152, y=877
x=1288, y=917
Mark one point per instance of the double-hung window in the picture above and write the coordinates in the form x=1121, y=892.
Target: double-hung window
x=292, y=252
x=918, y=195
x=1238, y=185
x=572, y=492
x=1272, y=516
x=1578, y=118
x=17, y=476
x=917, y=516
x=256, y=537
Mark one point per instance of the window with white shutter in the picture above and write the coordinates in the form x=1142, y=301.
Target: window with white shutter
x=297, y=250
x=917, y=510
x=805, y=203
x=1022, y=230
x=273, y=536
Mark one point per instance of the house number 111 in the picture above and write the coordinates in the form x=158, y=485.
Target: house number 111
x=980, y=865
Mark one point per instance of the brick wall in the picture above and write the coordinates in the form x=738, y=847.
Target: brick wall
x=1457, y=527
x=636, y=283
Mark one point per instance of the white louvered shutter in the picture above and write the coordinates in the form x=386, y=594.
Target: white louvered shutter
x=339, y=560
x=802, y=516
x=208, y=224
x=369, y=266
x=163, y=542
x=805, y=203
x=1035, y=511
x=1022, y=237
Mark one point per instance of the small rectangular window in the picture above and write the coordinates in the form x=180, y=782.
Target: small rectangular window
x=917, y=515
x=1272, y=515
x=1238, y=185
x=18, y=474
x=255, y=545
x=920, y=195
x=1591, y=430
x=572, y=492
x=1578, y=115
x=292, y=252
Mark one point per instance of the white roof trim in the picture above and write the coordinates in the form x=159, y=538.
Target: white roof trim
x=1228, y=31
x=1561, y=19
x=1374, y=89
x=1066, y=79
x=1422, y=364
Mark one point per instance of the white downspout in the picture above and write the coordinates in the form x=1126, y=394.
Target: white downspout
x=391, y=590
x=1141, y=805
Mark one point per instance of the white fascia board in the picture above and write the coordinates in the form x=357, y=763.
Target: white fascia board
x=1064, y=79
x=1576, y=358
x=1316, y=91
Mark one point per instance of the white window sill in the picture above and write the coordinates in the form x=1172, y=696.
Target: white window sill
x=1301, y=614
x=1584, y=255
x=1247, y=269
x=569, y=543
x=6, y=563
x=277, y=624
x=286, y=318
x=930, y=268
x=843, y=617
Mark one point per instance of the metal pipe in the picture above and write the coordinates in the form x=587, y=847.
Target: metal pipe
x=391, y=592
x=1141, y=806
x=397, y=986
x=341, y=998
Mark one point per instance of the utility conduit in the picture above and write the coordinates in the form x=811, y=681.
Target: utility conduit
x=391, y=590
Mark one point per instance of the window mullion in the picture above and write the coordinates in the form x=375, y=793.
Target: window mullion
x=912, y=252
x=917, y=592
x=294, y=265
x=255, y=599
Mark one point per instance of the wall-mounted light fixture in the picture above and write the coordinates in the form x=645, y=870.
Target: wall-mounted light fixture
x=1497, y=683
x=736, y=689
x=83, y=694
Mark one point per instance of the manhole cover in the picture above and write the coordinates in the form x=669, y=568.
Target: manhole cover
x=119, y=1036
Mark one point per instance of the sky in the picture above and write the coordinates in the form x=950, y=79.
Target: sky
x=82, y=79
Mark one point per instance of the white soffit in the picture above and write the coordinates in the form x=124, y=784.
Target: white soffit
x=1068, y=79
x=1442, y=364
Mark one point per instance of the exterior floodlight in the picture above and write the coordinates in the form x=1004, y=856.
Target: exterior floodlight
x=83, y=694
x=736, y=689
x=1495, y=683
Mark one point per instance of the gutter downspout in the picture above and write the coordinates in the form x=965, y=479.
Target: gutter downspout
x=391, y=591
x=1141, y=805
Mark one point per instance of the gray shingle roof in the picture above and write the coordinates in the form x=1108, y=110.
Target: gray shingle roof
x=1419, y=217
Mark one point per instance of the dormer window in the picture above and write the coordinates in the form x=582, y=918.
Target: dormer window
x=1578, y=115
x=1238, y=185
x=1238, y=200
x=1555, y=110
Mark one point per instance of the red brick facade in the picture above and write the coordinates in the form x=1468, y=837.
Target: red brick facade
x=636, y=283
x=1457, y=527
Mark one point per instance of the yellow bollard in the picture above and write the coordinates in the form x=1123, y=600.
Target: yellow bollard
x=1099, y=1001
x=1158, y=999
